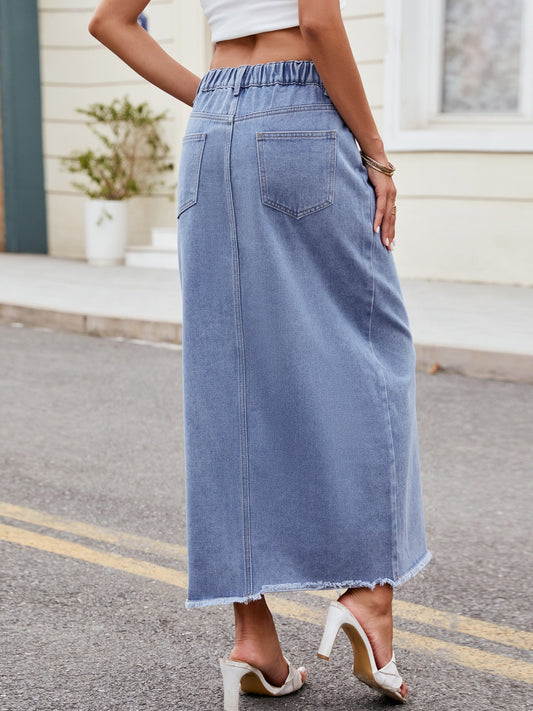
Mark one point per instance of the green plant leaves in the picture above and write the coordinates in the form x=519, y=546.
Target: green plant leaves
x=133, y=152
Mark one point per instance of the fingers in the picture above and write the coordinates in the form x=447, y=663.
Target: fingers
x=385, y=215
x=381, y=204
x=388, y=225
x=385, y=220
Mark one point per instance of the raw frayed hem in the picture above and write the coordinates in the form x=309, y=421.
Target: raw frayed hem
x=295, y=587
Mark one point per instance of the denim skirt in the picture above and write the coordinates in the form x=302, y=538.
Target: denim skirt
x=301, y=446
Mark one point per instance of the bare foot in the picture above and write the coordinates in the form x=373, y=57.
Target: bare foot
x=257, y=643
x=373, y=609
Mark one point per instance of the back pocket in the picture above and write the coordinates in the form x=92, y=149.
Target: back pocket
x=297, y=170
x=192, y=149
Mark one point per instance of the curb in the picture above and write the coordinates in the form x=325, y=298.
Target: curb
x=498, y=365
x=92, y=325
x=495, y=365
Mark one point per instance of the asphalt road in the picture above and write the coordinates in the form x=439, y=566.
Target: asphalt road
x=92, y=534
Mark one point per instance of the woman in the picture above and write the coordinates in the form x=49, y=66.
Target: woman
x=301, y=442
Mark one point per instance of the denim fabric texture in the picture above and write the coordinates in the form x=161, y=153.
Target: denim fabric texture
x=301, y=443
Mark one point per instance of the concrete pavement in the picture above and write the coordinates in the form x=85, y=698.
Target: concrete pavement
x=92, y=543
x=485, y=330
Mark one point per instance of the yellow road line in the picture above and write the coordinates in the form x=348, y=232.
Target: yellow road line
x=468, y=657
x=463, y=656
x=87, y=530
x=501, y=634
x=91, y=555
x=521, y=639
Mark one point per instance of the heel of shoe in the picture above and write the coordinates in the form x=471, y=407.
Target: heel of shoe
x=232, y=673
x=336, y=617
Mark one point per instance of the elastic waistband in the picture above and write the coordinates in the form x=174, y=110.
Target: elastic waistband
x=291, y=72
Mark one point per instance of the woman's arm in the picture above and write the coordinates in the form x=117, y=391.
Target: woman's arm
x=115, y=25
x=324, y=33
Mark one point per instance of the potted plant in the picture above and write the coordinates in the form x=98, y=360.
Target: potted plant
x=130, y=162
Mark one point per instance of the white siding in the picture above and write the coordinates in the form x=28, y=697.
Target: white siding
x=465, y=216
x=461, y=215
x=76, y=71
x=365, y=24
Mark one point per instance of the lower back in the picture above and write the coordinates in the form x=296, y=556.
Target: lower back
x=278, y=46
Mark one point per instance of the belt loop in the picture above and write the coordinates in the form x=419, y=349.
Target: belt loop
x=238, y=79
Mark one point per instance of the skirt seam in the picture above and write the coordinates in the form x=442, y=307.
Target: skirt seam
x=394, y=476
x=247, y=537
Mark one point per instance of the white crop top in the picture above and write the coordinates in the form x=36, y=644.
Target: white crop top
x=229, y=19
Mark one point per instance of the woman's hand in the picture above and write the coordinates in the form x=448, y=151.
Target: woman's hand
x=385, y=216
x=328, y=45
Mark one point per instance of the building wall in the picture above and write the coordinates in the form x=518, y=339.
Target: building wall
x=76, y=71
x=2, y=222
x=464, y=216
x=461, y=215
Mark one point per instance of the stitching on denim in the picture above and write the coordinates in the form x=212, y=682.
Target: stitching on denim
x=222, y=118
x=275, y=135
x=261, y=166
x=198, y=138
x=226, y=118
x=293, y=213
x=329, y=136
x=316, y=585
x=247, y=538
x=246, y=85
x=237, y=84
x=394, y=476
x=286, y=110
x=190, y=137
x=332, y=170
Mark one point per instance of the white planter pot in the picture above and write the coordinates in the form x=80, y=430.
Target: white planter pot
x=105, y=231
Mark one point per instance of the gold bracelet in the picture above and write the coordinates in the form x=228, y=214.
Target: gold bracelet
x=381, y=167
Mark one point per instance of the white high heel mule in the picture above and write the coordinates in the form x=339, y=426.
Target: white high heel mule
x=237, y=675
x=387, y=679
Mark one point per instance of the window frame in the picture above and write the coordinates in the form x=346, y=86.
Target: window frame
x=413, y=120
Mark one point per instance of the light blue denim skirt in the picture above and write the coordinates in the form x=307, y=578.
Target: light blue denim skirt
x=301, y=445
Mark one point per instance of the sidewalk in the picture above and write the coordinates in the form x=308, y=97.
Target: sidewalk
x=483, y=330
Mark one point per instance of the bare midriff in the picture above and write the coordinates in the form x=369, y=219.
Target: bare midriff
x=278, y=46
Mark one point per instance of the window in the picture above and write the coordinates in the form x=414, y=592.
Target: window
x=459, y=75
